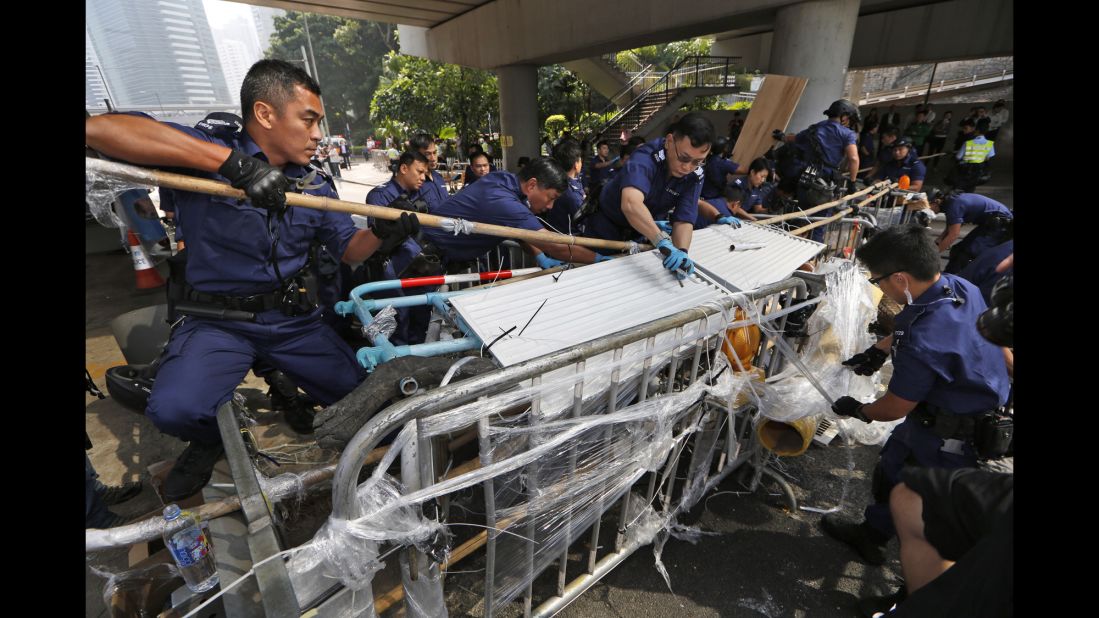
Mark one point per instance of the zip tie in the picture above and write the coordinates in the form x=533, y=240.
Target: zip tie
x=457, y=226
x=632, y=248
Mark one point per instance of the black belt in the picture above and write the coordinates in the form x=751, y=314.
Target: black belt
x=944, y=423
x=256, y=303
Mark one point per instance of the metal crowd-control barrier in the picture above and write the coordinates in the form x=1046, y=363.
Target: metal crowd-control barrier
x=716, y=432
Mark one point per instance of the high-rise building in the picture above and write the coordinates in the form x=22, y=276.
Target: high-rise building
x=235, y=62
x=94, y=88
x=156, y=53
x=264, y=19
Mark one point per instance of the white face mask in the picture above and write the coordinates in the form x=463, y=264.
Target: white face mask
x=907, y=295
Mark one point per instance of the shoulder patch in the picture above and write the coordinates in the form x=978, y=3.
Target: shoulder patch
x=700, y=172
x=659, y=155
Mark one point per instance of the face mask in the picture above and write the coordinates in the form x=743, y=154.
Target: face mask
x=907, y=295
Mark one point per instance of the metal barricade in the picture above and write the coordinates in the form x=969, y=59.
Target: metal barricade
x=563, y=439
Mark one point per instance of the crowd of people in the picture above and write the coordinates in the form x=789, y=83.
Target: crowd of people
x=254, y=257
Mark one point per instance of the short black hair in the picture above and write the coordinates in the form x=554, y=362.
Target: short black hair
x=521, y=161
x=891, y=131
x=899, y=248
x=567, y=153
x=408, y=156
x=272, y=81
x=420, y=141
x=636, y=140
x=760, y=164
x=627, y=149
x=478, y=155
x=696, y=127
x=547, y=172
x=602, y=143
x=968, y=122
x=734, y=193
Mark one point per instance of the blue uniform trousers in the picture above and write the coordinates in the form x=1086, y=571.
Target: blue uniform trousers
x=206, y=359
x=910, y=444
x=95, y=511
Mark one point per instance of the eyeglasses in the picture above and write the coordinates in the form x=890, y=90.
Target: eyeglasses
x=876, y=280
x=688, y=160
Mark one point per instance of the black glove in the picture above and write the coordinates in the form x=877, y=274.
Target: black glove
x=393, y=233
x=849, y=406
x=265, y=184
x=867, y=362
x=403, y=203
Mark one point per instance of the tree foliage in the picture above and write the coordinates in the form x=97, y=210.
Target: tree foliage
x=431, y=96
x=348, y=55
x=664, y=56
x=561, y=92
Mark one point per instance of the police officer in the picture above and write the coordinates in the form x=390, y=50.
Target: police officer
x=600, y=166
x=434, y=191
x=885, y=151
x=408, y=188
x=716, y=170
x=972, y=157
x=904, y=163
x=994, y=225
x=819, y=153
x=566, y=208
x=245, y=258
x=663, y=180
x=758, y=193
x=945, y=375
x=982, y=271
x=725, y=209
x=503, y=198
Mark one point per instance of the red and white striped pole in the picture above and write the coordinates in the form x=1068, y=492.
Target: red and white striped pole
x=495, y=275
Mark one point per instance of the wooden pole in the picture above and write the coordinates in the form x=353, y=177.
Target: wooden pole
x=808, y=211
x=158, y=178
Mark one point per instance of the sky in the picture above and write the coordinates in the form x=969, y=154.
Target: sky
x=219, y=12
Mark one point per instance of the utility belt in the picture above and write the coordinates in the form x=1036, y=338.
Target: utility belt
x=991, y=433
x=292, y=300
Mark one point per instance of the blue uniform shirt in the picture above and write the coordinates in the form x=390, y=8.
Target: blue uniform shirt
x=666, y=197
x=598, y=175
x=228, y=240
x=911, y=166
x=722, y=208
x=754, y=196
x=971, y=208
x=433, y=191
x=562, y=217
x=383, y=195
x=834, y=139
x=938, y=355
x=495, y=198
x=981, y=272
x=714, y=175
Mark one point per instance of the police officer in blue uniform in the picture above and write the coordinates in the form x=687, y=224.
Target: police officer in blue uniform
x=244, y=299
x=566, y=208
x=904, y=163
x=756, y=190
x=434, y=191
x=982, y=273
x=818, y=155
x=995, y=224
x=662, y=180
x=946, y=377
x=716, y=170
x=408, y=189
x=513, y=200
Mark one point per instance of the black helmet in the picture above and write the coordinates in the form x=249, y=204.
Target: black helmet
x=933, y=193
x=903, y=141
x=841, y=107
x=130, y=385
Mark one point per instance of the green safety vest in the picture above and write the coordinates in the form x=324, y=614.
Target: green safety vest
x=976, y=153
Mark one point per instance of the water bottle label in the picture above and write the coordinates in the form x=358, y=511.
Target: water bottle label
x=189, y=546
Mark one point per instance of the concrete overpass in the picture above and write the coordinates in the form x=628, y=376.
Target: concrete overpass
x=817, y=39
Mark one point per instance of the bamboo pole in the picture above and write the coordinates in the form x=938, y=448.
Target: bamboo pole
x=808, y=211
x=170, y=180
x=836, y=217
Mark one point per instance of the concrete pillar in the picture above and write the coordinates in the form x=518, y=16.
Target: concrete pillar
x=518, y=112
x=754, y=50
x=813, y=40
x=858, y=81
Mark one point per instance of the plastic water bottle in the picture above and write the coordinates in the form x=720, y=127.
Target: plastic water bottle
x=191, y=549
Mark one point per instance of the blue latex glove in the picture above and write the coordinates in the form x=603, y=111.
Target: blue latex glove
x=733, y=221
x=676, y=260
x=602, y=258
x=664, y=226
x=545, y=261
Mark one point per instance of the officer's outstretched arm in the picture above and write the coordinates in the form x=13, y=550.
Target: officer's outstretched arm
x=565, y=253
x=950, y=234
x=361, y=246
x=888, y=408
x=852, y=152
x=147, y=142
x=639, y=217
x=682, y=232
x=708, y=211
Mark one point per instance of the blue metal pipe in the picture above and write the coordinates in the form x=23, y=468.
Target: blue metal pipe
x=372, y=357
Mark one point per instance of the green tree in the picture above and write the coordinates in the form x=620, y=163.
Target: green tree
x=431, y=96
x=348, y=54
x=561, y=92
x=664, y=56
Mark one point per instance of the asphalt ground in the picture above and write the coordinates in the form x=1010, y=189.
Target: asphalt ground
x=758, y=558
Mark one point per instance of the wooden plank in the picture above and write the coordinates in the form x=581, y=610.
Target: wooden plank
x=774, y=106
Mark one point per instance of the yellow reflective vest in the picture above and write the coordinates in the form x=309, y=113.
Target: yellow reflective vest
x=976, y=153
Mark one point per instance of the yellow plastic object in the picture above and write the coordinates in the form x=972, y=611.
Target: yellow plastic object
x=743, y=342
x=790, y=438
x=759, y=374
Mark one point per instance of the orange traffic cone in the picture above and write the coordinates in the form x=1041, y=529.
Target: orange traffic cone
x=147, y=276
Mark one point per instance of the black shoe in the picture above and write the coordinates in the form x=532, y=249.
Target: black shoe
x=861, y=537
x=111, y=520
x=300, y=417
x=117, y=494
x=878, y=606
x=283, y=391
x=192, y=471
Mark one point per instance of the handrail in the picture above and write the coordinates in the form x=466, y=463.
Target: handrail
x=683, y=67
x=645, y=72
x=917, y=90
